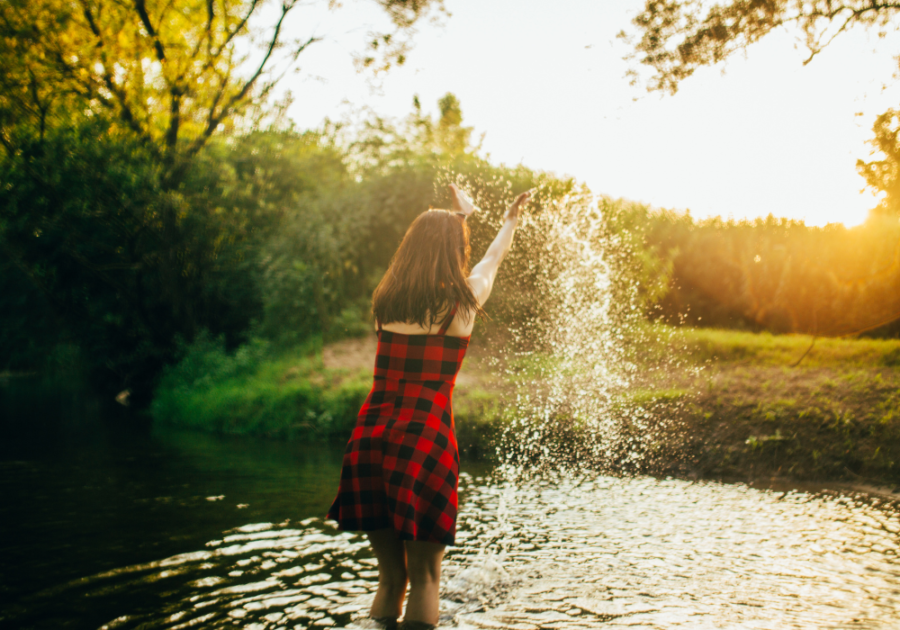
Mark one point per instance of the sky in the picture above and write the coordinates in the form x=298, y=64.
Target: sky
x=545, y=83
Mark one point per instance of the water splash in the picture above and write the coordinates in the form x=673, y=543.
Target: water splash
x=568, y=334
x=574, y=344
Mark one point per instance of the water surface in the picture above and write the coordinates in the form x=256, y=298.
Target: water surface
x=112, y=524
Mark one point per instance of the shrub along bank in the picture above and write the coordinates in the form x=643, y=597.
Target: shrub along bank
x=255, y=391
x=295, y=394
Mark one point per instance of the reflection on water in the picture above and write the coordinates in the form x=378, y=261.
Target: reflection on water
x=559, y=553
x=650, y=553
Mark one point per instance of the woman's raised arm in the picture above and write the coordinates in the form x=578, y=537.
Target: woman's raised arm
x=481, y=280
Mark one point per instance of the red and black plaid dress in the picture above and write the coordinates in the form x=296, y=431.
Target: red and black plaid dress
x=401, y=466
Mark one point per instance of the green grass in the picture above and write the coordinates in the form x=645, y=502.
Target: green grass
x=289, y=395
x=746, y=414
x=757, y=413
x=707, y=344
x=646, y=396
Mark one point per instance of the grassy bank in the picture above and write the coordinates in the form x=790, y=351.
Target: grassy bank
x=309, y=392
x=753, y=411
x=260, y=390
x=737, y=405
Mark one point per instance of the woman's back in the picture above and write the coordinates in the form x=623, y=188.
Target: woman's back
x=461, y=325
x=401, y=465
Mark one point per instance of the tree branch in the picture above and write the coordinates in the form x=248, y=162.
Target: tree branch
x=125, y=111
x=174, y=118
x=213, y=57
x=206, y=37
x=218, y=97
x=7, y=144
x=227, y=109
x=41, y=107
x=141, y=9
x=677, y=37
x=237, y=29
x=856, y=15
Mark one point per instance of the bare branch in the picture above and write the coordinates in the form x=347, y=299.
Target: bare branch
x=817, y=48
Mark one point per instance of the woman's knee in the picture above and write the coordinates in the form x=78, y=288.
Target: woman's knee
x=425, y=577
x=424, y=563
x=394, y=578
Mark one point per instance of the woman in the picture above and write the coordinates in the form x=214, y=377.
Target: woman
x=400, y=471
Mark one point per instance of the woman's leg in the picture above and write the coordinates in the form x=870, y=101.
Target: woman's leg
x=424, y=567
x=392, y=580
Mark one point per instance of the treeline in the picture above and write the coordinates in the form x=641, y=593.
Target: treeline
x=277, y=235
x=280, y=235
x=145, y=178
x=779, y=274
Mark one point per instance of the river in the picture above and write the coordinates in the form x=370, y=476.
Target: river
x=108, y=522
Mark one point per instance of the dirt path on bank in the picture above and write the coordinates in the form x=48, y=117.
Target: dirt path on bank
x=350, y=354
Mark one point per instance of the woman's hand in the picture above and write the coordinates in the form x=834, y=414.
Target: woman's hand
x=460, y=202
x=516, y=207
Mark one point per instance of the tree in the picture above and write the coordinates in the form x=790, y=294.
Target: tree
x=448, y=135
x=173, y=73
x=676, y=38
x=120, y=207
x=884, y=175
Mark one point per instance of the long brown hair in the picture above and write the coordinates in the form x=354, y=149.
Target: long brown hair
x=427, y=274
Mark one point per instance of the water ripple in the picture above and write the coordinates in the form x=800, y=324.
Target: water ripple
x=557, y=553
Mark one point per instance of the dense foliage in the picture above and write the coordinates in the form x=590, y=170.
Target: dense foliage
x=173, y=73
x=276, y=234
x=143, y=206
x=138, y=195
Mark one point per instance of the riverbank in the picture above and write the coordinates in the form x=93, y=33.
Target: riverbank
x=310, y=393
x=735, y=406
x=757, y=411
